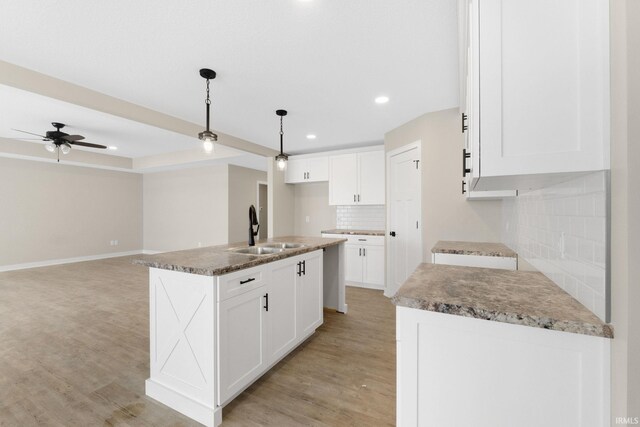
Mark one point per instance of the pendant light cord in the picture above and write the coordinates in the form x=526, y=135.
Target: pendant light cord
x=208, y=102
x=281, y=134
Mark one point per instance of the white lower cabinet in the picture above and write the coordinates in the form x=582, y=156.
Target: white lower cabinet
x=261, y=326
x=364, y=260
x=459, y=371
x=241, y=341
x=309, y=293
x=211, y=337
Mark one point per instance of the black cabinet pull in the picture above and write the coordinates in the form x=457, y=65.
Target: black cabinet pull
x=465, y=156
x=266, y=301
x=464, y=125
x=354, y=197
x=358, y=197
x=308, y=175
x=392, y=233
x=359, y=251
x=304, y=267
x=362, y=240
x=364, y=251
x=299, y=272
x=463, y=190
x=251, y=279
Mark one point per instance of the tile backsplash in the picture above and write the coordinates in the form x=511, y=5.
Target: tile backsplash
x=370, y=217
x=561, y=231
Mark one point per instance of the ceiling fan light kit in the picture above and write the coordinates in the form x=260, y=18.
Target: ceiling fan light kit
x=207, y=137
x=282, y=158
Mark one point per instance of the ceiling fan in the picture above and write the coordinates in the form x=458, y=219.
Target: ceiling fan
x=60, y=141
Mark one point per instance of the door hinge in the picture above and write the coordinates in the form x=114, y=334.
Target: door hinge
x=417, y=224
x=417, y=162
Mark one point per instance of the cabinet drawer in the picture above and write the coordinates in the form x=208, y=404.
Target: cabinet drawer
x=366, y=240
x=358, y=239
x=239, y=282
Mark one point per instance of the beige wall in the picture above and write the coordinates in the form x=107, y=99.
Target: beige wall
x=446, y=214
x=55, y=211
x=312, y=200
x=625, y=208
x=186, y=208
x=281, y=203
x=243, y=192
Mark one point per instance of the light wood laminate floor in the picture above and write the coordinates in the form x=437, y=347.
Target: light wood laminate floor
x=74, y=351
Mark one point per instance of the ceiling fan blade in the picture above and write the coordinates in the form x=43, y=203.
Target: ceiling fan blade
x=73, y=137
x=87, y=144
x=30, y=133
x=27, y=139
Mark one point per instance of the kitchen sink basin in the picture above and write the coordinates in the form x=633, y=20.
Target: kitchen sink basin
x=283, y=245
x=258, y=250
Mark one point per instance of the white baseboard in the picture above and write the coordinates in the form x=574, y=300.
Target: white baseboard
x=150, y=252
x=69, y=260
x=209, y=416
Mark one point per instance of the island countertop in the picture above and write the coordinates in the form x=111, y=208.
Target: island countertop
x=517, y=297
x=218, y=260
x=473, y=248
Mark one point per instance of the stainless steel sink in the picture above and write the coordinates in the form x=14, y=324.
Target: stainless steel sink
x=258, y=250
x=283, y=245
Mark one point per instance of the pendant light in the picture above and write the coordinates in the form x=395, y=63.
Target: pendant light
x=207, y=137
x=281, y=159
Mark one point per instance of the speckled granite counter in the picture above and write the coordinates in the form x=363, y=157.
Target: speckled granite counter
x=518, y=297
x=473, y=248
x=218, y=260
x=355, y=232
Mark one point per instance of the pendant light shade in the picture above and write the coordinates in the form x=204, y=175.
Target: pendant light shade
x=207, y=137
x=281, y=159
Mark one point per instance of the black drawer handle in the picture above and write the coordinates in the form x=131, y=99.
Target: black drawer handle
x=362, y=240
x=251, y=279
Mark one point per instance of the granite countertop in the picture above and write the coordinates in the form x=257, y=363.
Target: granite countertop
x=355, y=232
x=473, y=248
x=218, y=260
x=519, y=297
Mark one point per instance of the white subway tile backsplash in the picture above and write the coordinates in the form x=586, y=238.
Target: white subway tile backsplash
x=573, y=212
x=361, y=217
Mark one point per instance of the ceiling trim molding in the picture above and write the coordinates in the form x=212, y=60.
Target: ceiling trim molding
x=32, y=81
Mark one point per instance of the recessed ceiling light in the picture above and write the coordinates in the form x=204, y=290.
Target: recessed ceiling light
x=382, y=100
x=311, y=136
x=112, y=147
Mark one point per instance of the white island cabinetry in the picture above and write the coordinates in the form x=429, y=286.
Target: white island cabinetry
x=212, y=336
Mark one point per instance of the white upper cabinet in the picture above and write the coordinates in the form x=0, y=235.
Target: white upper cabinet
x=357, y=178
x=537, y=94
x=307, y=169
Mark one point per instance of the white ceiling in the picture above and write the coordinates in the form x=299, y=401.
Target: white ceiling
x=323, y=60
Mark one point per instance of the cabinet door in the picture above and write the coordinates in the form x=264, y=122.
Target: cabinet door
x=343, y=179
x=296, y=170
x=317, y=169
x=544, y=87
x=309, y=296
x=371, y=178
x=373, y=265
x=281, y=317
x=353, y=263
x=241, y=341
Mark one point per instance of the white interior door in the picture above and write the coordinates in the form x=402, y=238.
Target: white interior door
x=404, y=241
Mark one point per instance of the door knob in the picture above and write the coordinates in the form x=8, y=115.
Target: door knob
x=392, y=233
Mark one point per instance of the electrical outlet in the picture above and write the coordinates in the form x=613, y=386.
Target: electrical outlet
x=306, y=218
x=115, y=243
x=199, y=244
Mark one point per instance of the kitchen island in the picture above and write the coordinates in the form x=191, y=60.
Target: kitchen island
x=491, y=347
x=222, y=316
